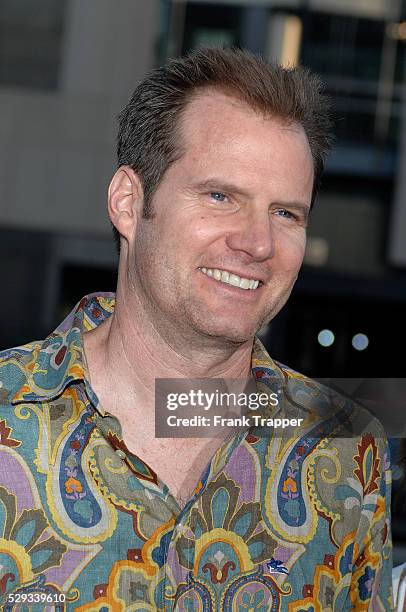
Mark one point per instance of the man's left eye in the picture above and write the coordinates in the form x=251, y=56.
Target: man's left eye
x=218, y=196
x=286, y=213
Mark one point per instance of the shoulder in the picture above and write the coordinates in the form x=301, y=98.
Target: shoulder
x=16, y=364
x=19, y=353
x=18, y=431
x=327, y=396
x=333, y=415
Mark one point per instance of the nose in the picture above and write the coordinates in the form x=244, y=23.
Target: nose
x=253, y=235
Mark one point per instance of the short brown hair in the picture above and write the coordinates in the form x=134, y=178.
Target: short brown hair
x=148, y=137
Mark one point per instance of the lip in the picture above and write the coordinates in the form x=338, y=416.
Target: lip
x=236, y=272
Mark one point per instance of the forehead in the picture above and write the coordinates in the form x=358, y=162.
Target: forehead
x=210, y=108
x=216, y=128
x=212, y=101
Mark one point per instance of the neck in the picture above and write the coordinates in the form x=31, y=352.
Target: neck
x=128, y=351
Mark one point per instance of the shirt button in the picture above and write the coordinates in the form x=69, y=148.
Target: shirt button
x=120, y=453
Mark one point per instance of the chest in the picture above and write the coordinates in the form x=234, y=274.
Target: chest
x=178, y=463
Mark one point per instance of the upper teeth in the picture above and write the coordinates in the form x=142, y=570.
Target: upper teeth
x=231, y=279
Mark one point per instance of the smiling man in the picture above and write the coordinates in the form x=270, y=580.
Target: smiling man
x=220, y=157
x=233, y=208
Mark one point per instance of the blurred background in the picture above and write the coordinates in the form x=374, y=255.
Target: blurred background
x=67, y=67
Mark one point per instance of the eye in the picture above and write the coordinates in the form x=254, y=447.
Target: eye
x=218, y=196
x=286, y=213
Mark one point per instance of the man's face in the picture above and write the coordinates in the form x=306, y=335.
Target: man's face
x=236, y=202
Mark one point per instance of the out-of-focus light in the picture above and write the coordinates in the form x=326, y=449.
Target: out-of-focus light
x=396, y=31
x=326, y=337
x=316, y=253
x=360, y=342
x=290, y=52
x=284, y=39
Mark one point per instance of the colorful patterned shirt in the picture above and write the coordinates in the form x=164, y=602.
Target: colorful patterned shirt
x=298, y=524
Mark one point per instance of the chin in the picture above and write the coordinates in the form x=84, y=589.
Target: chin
x=230, y=333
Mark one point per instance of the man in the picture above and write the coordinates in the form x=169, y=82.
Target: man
x=220, y=157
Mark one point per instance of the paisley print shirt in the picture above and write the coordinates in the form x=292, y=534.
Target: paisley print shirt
x=296, y=524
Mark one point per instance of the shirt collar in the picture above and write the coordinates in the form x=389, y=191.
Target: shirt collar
x=60, y=361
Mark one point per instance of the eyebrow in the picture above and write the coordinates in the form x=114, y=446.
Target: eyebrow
x=213, y=183
x=221, y=185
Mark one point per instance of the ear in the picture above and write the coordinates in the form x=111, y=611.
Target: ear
x=125, y=201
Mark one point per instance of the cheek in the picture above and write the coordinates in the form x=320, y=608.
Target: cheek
x=291, y=252
x=203, y=229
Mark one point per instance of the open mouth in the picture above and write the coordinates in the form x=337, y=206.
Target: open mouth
x=229, y=278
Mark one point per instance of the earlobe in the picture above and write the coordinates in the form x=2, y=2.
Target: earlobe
x=125, y=200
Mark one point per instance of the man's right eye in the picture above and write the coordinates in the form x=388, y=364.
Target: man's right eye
x=218, y=196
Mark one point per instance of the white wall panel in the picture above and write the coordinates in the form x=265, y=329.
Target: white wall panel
x=58, y=148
